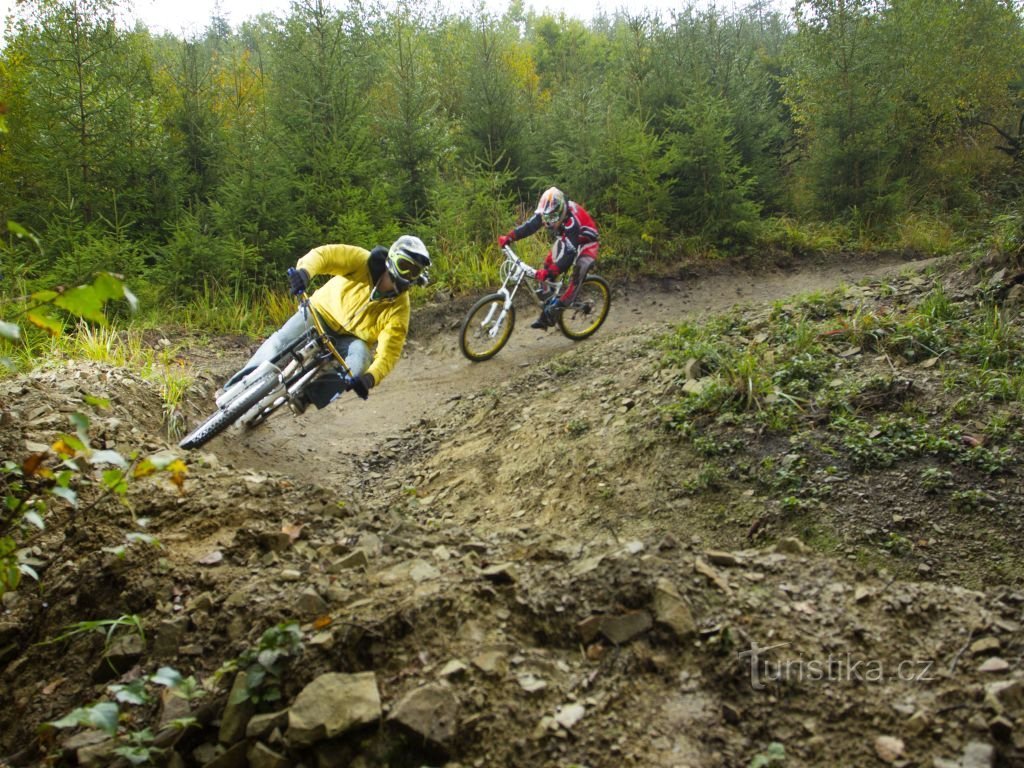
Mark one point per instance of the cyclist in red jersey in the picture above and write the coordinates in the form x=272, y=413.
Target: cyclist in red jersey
x=576, y=243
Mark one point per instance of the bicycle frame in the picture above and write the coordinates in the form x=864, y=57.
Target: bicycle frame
x=295, y=367
x=513, y=271
x=250, y=401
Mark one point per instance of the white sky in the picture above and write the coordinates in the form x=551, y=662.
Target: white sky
x=191, y=16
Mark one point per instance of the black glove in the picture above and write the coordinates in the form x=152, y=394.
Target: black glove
x=361, y=384
x=298, y=279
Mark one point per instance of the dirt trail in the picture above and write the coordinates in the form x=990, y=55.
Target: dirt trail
x=434, y=374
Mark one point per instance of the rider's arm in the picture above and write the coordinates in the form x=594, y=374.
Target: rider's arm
x=528, y=227
x=390, y=341
x=334, y=260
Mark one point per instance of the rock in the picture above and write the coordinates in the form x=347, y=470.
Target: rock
x=862, y=594
x=586, y=565
x=262, y=756
x=978, y=754
x=232, y=757
x=985, y=645
x=502, y=573
x=453, y=669
x=714, y=576
x=694, y=386
x=430, y=712
x=889, y=748
x=262, y=725
x=918, y=723
x=693, y=369
x=417, y=571
x=310, y=603
x=622, y=629
x=491, y=662
x=421, y=570
x=90, y=747
x=167, y=638
x=333, y=704
x=792, y=546
x=1005, y=696
x=568, y=715
x=994, y=664
x=530, y=683
x=275, y=541
x=172, y=707
x=236, y=714
x=725, y=559
x=671, y=610
x=357, y=558
x=123, y=654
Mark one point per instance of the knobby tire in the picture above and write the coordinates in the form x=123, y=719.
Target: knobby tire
x=587, y=310
x=225, y=417
x=473, y=340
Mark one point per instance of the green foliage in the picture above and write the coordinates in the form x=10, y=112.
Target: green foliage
x=107, y=627
x=49, y=310
x=199, y=169
x=469, y=213
x=774, y=755
x=136, y=746
x=265, y=664
x=718, y=203
x=70, y=472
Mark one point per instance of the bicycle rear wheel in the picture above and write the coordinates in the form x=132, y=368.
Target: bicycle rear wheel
x=587, y=310
x=486, y=328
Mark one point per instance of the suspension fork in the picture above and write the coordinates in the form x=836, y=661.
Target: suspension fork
x=490, y=320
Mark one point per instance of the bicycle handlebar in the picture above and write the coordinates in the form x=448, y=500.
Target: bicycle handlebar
x=510, y=254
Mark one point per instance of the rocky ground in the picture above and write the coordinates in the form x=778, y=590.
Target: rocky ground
x=496, y=564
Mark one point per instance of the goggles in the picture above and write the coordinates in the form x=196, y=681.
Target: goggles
x=407, y=267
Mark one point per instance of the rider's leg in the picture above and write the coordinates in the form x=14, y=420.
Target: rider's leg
x=582, y=266
x=558, y=260
x=276, y=343
x=329, y=385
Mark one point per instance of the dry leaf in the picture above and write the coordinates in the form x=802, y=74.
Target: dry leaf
x=31, y=465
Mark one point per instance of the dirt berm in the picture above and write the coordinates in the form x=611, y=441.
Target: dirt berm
x=495, y=564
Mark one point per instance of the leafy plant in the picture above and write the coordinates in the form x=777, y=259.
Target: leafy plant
x=934, y=479
x=136, y=746
x=265, y=664
x=72, y=472
x=108, y=627
x=774, y=755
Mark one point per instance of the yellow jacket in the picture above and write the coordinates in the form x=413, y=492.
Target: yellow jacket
x=344, y=302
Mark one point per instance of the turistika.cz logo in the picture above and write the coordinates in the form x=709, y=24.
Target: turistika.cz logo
x=768, y=668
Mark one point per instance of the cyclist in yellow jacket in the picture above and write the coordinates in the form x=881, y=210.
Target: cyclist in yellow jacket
x=364, y=303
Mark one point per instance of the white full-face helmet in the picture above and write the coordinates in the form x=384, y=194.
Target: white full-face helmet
x=408, y=261
x=552, y=207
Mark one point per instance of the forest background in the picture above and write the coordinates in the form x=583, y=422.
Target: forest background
x=199, y=169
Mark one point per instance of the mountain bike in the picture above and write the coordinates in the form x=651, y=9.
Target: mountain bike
x=276, y=382
x=490, y=321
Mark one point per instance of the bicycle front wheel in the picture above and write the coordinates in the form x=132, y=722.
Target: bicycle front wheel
x=230, y=413
x=486, y=328
x=587, y=310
